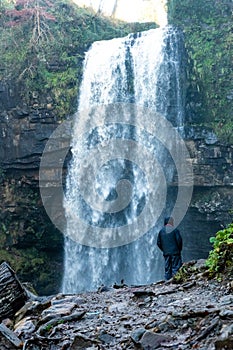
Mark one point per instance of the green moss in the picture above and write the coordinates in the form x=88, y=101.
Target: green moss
x=219, y=264
x=9, y=257
x=208, y=34
x=28, y=240
x=183, y=274
x=35, y=266
x=50, y=64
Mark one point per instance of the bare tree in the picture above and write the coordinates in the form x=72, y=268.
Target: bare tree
x=34, y=11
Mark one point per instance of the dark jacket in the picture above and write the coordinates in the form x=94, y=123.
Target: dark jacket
x=169, y=240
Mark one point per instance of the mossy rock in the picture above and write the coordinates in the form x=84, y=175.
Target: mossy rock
x=207, y=28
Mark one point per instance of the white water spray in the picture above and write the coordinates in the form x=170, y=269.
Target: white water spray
x=144, y=69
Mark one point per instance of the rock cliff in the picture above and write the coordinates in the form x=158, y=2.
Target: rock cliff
x=28, y=239
x=28, y=236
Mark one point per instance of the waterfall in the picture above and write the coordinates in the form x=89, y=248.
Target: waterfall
x=143, y=69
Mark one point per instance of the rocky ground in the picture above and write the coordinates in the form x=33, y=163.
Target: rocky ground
x=196, y=314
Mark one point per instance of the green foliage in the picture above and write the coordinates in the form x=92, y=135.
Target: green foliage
x=223, y=128
x=29, y=242
x=187, y=270
x=9, y=257
x=5, y=4
x=49, y=327
x=221, y=257
x=219, y=263
x=207, y=27
x=183, y=274
x=46, y=56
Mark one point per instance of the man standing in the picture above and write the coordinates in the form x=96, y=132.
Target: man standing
x=170, y=242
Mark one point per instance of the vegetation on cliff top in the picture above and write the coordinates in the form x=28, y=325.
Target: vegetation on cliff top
x=43, y=45
x=208, y=30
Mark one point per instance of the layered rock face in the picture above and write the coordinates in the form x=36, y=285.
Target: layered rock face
x=28, y=238
x=31, y=243
x=212, y=200
x=24, y=130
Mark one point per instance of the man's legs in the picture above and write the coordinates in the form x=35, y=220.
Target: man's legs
x=176, y=263
x=168, y=267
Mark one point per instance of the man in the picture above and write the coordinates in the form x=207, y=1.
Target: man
x=170, y=242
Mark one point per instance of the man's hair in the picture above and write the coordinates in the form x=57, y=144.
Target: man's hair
x=169, y=220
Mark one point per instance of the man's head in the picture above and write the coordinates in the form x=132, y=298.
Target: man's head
x=169, y=221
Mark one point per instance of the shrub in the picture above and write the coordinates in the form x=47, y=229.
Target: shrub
x=221, y=257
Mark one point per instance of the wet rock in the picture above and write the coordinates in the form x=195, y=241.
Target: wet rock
x=31, y=307
x=8, y=323
x=93, y=314
x=226, y=300
x=207, y=330
x=226, y=313
x=5, y=344
x=118, y=286
x=155, y=322
x=9, y=337
x=137, y=334
x=226, y=331
x=145, y=301
x=151, y=341
x=168, y=324
x=104, y=289
x=12, y=293
x=60, y=309
x=106, y=338
x=188, y=285
x=225, y=341
x=58, y=320
x=60, y=299
x=226, y=344
x=25, y=326
x=81, y=342
x=118, y=307
x=142, y=293
x=200, y=264
x=195, y=314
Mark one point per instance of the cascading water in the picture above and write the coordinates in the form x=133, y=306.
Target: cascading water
x=144, y=69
